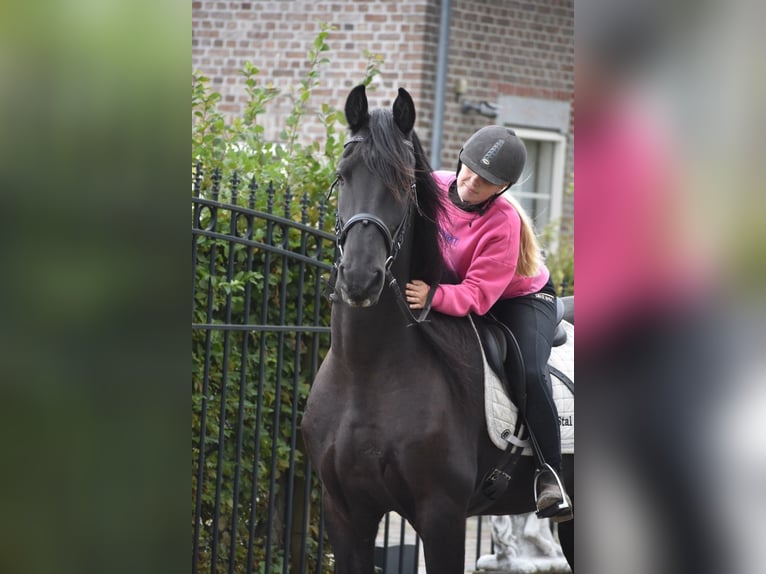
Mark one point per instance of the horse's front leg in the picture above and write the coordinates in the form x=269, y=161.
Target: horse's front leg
x=352, y=535
x=441, y=527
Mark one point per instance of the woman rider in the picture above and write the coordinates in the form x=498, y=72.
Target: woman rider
x=492, y=249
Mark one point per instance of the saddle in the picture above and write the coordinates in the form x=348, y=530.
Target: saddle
x=500, y=344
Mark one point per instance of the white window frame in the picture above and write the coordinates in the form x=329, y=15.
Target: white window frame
x=558, y=168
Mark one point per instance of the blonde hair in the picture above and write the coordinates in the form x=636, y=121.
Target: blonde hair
x=530, y=254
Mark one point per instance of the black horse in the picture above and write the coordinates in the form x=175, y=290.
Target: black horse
x=395, y=418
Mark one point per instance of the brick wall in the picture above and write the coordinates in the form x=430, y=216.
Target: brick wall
x=516, y=47
x=276, y=36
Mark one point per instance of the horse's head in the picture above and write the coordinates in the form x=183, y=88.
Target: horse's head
x=375, y=184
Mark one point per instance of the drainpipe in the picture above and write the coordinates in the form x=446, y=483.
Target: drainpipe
x=441, y=84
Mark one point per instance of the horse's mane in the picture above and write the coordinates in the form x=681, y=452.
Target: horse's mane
x=428, y=261
x=389, y=158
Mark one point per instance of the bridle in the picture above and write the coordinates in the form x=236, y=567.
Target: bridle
x=393, y=242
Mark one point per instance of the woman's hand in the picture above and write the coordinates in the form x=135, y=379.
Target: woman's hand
x=416, y=294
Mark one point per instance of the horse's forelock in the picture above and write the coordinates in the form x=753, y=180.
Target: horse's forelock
x=387, y=155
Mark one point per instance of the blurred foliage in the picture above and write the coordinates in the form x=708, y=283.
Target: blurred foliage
x=249, y=387
x=559, y=258
x=558, y=246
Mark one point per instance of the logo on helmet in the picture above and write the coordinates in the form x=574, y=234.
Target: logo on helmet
x=492, y=152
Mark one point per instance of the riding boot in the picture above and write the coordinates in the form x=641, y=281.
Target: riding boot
x=552, y=500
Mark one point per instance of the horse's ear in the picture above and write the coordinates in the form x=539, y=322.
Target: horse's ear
x=356, y=109
x=404, y=111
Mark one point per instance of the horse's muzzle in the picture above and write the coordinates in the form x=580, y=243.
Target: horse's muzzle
x=359, y=287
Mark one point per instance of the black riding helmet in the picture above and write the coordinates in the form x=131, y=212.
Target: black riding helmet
x=495, y=153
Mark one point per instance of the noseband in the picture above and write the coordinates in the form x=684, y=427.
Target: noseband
x=393, y=242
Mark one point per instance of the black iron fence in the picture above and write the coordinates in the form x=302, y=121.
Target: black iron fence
x=260, y=328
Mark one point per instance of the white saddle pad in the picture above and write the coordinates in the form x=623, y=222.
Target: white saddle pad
x=501, y=413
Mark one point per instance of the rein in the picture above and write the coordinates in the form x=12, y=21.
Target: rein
x=393, y=245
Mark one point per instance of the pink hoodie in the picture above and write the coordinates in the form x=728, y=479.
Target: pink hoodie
x=483, y=252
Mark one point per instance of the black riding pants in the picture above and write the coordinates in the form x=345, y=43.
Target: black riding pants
x=532, y=320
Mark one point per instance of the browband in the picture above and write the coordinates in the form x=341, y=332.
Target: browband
x=356, y=139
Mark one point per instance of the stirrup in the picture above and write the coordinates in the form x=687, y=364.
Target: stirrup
x=563, y=510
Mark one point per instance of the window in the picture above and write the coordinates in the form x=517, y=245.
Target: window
x=540, y=187
x=543, y=125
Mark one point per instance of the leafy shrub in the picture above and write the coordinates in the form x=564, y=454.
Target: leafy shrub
x=559, y=259
x=559, y=255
